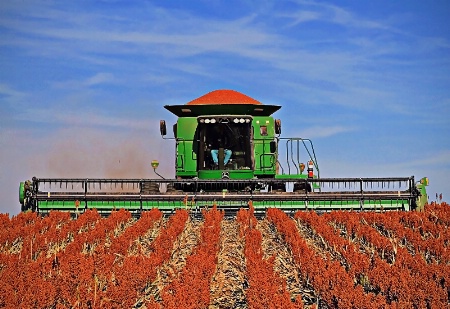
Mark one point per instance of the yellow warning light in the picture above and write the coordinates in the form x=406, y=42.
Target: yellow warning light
x=155, y=164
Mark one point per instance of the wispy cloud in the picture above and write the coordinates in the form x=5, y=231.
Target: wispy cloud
x=11, y=100
x=10, y=92
x=86, y=119
x=329, y=13
x=349, y=71
x=302, y=16
x=316, y=132
x=175, y=34
x=429, y=161
x=101, y=78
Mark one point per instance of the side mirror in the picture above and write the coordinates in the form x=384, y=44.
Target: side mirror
x=277, y=126
x=162, y=127
x=273, y=147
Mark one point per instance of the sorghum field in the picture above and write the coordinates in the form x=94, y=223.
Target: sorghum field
x=331, y=260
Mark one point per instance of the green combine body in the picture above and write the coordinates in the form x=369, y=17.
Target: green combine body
x=219, y=124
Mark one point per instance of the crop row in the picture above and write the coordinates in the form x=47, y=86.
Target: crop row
x=341, y=260
x=375, y=262
x=266, y=288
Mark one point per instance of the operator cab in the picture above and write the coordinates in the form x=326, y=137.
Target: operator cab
x=220, y=136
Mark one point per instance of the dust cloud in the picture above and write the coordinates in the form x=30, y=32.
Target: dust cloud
x=101, y=154
x=79, y=153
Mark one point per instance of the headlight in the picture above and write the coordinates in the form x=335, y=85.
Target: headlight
x=207, y=121
x=242, y=120
x=213, y=120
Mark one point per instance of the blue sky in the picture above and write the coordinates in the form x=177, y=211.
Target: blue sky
x=83, y=83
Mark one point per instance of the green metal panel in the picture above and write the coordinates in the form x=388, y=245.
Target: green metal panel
x=186, y=158
x=263, y=135
x=188, y=174
x=291, y=176
x=334, y=205
x=56, y=205
x=233, y=174
x=105, y=206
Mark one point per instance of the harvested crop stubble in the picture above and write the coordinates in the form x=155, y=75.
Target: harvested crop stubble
x=374, y=269
x=182, y=248
x=139, y=271
x=366, y=236
x=84, y=268
x=191, y=288
x=414, y=284
x=66, y=233
x=317, y=241
x=131, y=273
x=266, y=288
x=229, y=280
x=142, y=245
x=333, y=285
x=284, y=264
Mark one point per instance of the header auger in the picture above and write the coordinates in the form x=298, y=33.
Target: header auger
x=228, y=153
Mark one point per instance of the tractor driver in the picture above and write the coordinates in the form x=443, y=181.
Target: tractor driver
x=221, y=139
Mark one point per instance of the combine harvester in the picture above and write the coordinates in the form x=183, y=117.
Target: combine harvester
x=227, y=154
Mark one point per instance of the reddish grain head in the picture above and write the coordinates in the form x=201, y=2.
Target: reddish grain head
x=223, y=97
